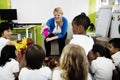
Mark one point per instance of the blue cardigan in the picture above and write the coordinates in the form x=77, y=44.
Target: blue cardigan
x=51, y=23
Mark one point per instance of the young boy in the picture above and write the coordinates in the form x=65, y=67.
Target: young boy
x=114, y=47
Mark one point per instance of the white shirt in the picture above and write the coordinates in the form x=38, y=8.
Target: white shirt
x=57, y=29
x=102, y=68
x=6, y=72
x=43, y=73
x=116, y=59
x=84, y=41
x=57, y=75
x=3, y=42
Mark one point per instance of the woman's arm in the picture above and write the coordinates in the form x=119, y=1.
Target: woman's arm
x=52, y=38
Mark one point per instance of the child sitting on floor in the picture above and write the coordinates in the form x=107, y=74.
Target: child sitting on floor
x=114, y=47
x=35, y=70
x=9, y=67
x=100, y=66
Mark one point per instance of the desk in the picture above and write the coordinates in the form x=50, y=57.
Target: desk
x=26, y=28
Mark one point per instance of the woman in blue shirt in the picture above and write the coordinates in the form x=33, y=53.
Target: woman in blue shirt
x=58, y=26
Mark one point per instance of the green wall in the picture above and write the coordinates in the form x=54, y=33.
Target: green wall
x=4, y=4
x=92, y=10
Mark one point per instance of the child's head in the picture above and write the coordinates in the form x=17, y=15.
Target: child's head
x=99, y=50
x=6, y=29
x=107, y=53
x=75, y=62
x=81, y=23
x=34, y=56
x=114, y=45
x=7, y=52
x=51, y=63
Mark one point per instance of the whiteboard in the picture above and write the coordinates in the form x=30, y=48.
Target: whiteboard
x=39, y=11
x=103, y=21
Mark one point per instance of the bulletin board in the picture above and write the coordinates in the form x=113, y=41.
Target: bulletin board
x=39, y=11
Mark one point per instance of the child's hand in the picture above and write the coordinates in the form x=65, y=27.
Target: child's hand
x=19, y=41
x=30, y=41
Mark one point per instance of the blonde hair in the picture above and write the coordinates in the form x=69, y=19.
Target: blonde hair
x=74, y=63
x=59, y=10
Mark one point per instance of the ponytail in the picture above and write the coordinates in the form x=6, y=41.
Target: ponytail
x=92, y=27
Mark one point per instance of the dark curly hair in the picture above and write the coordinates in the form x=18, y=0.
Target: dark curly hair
x=83, y=20
x=5, y=26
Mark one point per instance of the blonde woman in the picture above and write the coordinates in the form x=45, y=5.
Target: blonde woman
x=73, y=64
x=57, y=30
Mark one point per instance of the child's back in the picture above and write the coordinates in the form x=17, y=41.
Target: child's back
x=80, y=24
x=9, y=67
x=34, y=60
x=7, y=71
x=101, y=67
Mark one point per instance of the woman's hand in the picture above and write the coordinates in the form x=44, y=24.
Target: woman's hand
x=49, y=39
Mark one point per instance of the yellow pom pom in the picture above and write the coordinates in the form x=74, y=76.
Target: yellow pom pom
x=21, y=45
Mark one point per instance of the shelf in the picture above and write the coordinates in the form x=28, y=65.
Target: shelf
x=26, y=28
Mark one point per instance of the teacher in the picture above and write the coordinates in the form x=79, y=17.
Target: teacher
x=58, y=26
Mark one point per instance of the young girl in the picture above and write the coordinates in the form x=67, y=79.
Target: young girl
x=34, y=69
x=101, y=67
x=73, y=64
x=5, y=33
x=79, y=26
x=9, y=67
x=58, y=26
x=114, y=47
